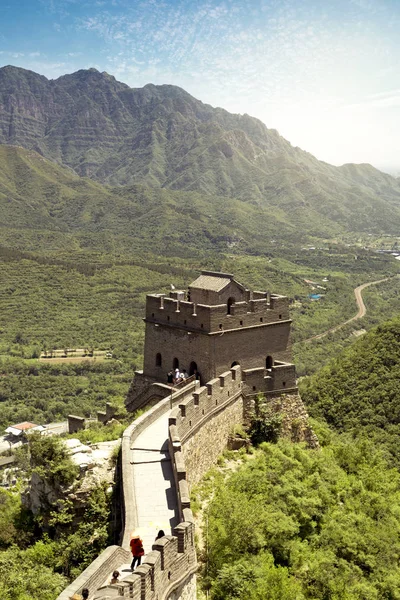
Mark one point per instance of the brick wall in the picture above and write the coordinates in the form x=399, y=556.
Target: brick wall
x=199, y=428
x=94, y=575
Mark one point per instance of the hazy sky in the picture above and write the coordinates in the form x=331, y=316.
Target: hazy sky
x=324, y=73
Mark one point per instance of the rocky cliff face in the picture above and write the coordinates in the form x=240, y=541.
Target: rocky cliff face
x=106, y=130
x=96, y=467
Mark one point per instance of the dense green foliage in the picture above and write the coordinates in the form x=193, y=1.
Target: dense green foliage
x=296, y=524
x=28, y=574
x=45, y=392
x=265, y=425
x=360, y=389
x=49, y=460
x=34, y=565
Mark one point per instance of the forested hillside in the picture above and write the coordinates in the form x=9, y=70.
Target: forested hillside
x=297, y=524
x=359, y=391
x=316, y=524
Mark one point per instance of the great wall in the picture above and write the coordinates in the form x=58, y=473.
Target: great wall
x=190, y=428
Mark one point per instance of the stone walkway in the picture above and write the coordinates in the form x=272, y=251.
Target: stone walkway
x=156, y=499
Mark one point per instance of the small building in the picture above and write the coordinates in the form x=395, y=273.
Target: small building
x=22, y=429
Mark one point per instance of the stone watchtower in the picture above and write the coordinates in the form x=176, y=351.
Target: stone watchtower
x=216, y=324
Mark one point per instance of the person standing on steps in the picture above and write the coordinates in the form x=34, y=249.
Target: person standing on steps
x=137, y=550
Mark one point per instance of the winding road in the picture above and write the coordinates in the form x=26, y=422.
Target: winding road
x=361, y=310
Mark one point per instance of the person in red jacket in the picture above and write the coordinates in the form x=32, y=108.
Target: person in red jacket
x=137, y=550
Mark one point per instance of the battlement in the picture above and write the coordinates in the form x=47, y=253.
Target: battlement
x=260, y=310
x=279, y=378
x=172, y=558
x=198, y=427
x=216, y=406
x=192, y=412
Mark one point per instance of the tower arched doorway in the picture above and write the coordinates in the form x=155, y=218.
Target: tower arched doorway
x=158, y=360
x=235, y=363
x=175, y=363
x=269, y=362
x=231, y=301
x=192, y=368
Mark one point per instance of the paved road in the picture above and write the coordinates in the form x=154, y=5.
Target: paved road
x=361, y=310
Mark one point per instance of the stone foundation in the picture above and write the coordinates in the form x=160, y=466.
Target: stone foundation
x=295, y=424
x=187, y=591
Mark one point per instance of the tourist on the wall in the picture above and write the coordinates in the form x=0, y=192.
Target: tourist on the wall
x=115, y=577
x=177, y=377
x=137, y=550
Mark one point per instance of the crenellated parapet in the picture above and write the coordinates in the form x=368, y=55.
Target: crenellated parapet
x=279, y=378
x=171, y=561
x=255, y=312
x=199, y=428
x=201, y=419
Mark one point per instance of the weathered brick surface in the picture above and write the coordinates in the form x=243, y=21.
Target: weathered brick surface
x=186, y=591
x=200, y=427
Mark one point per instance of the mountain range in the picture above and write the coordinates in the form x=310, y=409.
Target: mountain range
x=138, y=151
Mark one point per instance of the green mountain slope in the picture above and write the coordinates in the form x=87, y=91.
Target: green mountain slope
x=162, y=137
x=42, y=198
x=56, y=209
x=360, y=390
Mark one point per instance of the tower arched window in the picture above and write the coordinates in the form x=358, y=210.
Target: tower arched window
x=175, y=363
x=269, y=362
x=158, y=360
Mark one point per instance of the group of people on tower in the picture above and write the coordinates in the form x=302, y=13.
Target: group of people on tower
x=177, y=376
